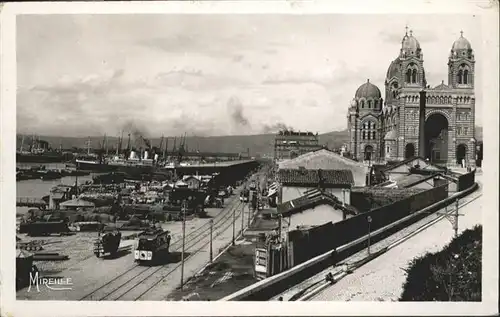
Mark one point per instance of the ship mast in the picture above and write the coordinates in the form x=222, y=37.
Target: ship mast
x=118, y=145
x=88, y=146
x=22, y=143
x=165, y=151
x=161, y=142
x=121, y=143
x=106, y=141
x=128, y=143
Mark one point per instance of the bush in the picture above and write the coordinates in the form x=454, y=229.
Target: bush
x=453, y=274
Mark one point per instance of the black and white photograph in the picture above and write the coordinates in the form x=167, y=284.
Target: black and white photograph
x=324, y=157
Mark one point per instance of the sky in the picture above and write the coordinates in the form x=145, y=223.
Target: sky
x=89, y=75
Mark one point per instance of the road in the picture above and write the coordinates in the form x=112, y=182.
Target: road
x=122, y=279
x=382, y=279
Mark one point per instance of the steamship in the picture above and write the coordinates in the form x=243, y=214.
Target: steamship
x=39, y=151
x=131, y=165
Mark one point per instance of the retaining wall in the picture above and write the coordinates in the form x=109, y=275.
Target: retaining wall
x=310, y=243
x=269, y=287
x=466, y=180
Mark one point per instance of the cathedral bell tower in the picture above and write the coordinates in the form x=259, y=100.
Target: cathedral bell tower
x=461, y=64
x=412, y=62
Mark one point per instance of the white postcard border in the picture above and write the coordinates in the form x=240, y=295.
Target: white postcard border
x=11, y=307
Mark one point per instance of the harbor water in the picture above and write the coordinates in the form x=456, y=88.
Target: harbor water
x=37, y=188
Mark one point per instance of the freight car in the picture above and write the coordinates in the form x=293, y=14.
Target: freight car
x=152, y=246
x=44, y=228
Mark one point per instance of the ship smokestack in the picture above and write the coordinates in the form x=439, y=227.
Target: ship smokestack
x=146, y=155
x=421, y=128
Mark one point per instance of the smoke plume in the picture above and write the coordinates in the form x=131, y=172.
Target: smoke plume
x=137, y=133
x=274, y=128
x=235, y=109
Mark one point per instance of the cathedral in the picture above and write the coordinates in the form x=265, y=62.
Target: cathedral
x=388, y=129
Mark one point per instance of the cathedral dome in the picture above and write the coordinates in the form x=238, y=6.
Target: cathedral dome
x=410, y=45
x=368, y=91
x=461, y=44
x=393, y=70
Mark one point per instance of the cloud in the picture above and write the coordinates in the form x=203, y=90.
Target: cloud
x=209, y=75
x=192, y=79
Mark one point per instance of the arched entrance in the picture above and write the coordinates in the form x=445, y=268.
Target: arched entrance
x=461, y=152
x=368, y=152
x=409, y=150
x=436, y=138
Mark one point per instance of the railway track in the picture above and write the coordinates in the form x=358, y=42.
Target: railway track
x=313, y=286
x=138, y=280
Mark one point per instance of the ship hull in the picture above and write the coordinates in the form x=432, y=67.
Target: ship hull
x=94, y=167
x=22, y=158
x=105, y=168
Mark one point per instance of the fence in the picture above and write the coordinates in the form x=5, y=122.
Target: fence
x=269, y=287
x=310, y=243
x=366, y=198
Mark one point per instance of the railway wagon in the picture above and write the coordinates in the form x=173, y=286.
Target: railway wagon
x=44, y=228
x=152, y=246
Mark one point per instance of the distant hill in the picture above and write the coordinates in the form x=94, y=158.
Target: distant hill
x=259, y=144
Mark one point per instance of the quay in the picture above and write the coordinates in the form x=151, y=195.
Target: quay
x=31, y=202
x=229, y=171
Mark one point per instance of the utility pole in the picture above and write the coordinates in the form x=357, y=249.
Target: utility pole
x=211, y=235
x=280, y=218
x=369, y=232
x=249, y=215
x=453, y=219
x=183, y=240
x=234, y=223
x=243, y=218
x=344, y=216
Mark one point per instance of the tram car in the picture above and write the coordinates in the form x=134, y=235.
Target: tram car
x=107, y=242
x=245, y=195
x=152, y=245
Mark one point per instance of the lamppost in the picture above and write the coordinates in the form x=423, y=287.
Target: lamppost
x=369, y=219
x=211, y=237
x=234, y=224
